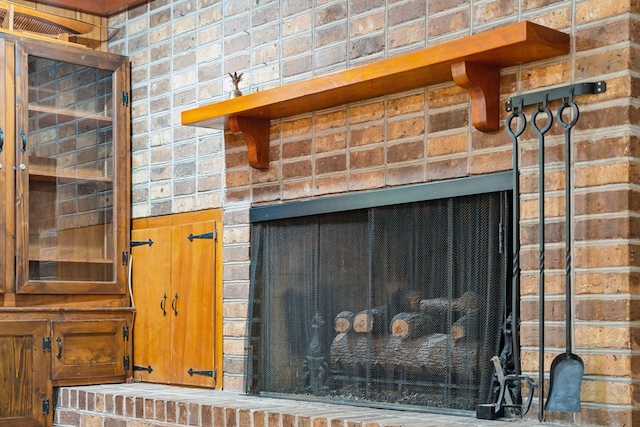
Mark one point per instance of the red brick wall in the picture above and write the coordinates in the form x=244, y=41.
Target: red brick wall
x=418, y=136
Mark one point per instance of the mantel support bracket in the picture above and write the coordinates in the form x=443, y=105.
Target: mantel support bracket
x=256, y=135
x=483, y=85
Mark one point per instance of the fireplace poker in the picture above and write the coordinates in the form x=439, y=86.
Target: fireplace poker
x=542, y=108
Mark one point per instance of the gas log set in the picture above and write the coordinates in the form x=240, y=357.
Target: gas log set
x=414, y=341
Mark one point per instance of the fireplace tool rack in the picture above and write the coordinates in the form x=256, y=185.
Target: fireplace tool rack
x=541, y=120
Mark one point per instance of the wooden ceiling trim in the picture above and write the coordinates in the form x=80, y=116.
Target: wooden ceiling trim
x=96, y=7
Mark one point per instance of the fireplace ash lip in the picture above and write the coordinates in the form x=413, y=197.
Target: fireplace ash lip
x=368, y=404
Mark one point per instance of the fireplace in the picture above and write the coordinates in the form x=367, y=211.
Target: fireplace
x=395, y=297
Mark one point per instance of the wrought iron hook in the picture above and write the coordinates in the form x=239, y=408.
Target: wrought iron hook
x=575, y=112
x=542, y=108
x=516, y=112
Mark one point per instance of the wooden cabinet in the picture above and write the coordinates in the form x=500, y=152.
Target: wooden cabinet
x=64, y=222
x=176, y=339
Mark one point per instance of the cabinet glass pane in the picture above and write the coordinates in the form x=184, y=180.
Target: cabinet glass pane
x=70, y=163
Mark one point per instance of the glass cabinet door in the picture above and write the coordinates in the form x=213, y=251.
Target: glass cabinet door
x=68, y=227
x=6, y=207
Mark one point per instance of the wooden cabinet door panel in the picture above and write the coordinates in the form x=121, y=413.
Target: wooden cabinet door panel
x=193, y=318
x=151, y=281
x=72, y=205
x=6, y=185
x=24, y=374
x=88, y=349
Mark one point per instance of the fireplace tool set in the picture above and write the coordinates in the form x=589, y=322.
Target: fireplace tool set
x=567, y=369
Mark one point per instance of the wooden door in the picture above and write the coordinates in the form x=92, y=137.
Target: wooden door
x=192, y=330
x=93, y=349
x=24, y=375
x=151, y=282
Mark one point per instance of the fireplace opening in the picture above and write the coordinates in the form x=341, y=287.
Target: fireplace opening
x=388, y=305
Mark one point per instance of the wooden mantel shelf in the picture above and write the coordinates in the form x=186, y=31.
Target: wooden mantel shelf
x=473, y=63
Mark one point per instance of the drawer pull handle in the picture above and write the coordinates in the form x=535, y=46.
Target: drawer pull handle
x=24, y=141
x=163, y=304
x=174, y=302
x=59, y=355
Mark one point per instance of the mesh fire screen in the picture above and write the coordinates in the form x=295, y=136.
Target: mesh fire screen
x=396, y=305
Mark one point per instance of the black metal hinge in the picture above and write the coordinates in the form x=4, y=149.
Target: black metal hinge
x=125, y=332
x=135, y=243
x=125, y=363
x=213, y=374
x=125, y=99
x=142, y=368
x=211, y=235
x=46, y=406
x=125, y=257
x=46, y=344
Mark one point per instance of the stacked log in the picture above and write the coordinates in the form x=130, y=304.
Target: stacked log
x=414, y=340
x=436, y=354
x=410, y=325
x=344, y=321
x=372, y=320
x=466, y=326
x=340, y=351
x=405, y=300
x=440, y=306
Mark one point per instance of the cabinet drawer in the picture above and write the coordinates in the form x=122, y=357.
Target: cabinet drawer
x=91, y=351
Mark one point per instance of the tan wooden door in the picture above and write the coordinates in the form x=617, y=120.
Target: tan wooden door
x=24, y=374
x=151, y=282
x=192, y=330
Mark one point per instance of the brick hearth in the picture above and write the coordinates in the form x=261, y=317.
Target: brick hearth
x=151, y=405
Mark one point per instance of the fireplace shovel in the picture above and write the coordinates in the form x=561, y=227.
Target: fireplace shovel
x=567, y=369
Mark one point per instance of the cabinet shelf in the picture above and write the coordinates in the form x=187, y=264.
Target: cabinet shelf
x=473, y=63
x=49, y=116
x=73, y=260
x=47, y=176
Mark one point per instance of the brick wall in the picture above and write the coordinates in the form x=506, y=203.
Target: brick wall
x=182, y=50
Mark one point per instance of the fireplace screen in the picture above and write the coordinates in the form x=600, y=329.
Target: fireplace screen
x=393, y=305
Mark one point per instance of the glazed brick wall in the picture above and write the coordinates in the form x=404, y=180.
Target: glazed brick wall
x=182, y=51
